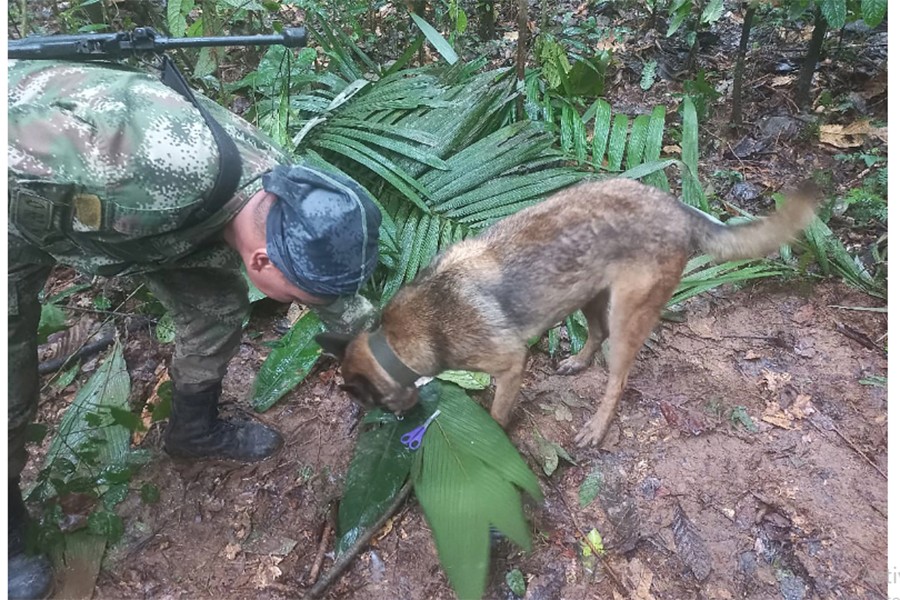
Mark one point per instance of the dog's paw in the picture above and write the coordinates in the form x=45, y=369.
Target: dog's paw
x=570, y=366
x=588, y=436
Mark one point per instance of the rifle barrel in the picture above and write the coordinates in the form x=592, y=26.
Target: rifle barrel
x=142, y=39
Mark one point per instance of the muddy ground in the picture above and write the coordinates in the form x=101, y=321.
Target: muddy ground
x=694, y=503
x=746, y=460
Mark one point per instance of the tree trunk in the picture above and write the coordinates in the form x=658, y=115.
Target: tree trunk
x=520, y=56
x=486, y=23
x=812, y=58
x=737, y=86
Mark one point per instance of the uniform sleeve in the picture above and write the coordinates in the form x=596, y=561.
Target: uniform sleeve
x=347, y=315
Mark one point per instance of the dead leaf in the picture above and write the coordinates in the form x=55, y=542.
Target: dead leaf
x=804, y=314
x=388, y=527
x=162, y=375
x=781, y=80
x=775, y=416
x=642, y=579
x=752, y=355
x=852, y=136
x=690, y=545
x=774, y=382
x=232, y=550
x=267, y=573
x=511, y=36
x=670, y=150
x=802, y=406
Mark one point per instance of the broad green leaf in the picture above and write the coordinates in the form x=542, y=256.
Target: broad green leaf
x=648, y=75
x=602, y=118
x=834, y=11
x=637, y=141
x=566, y=134
x=516, y=582
x=579, y=136
x=712, y=12
x=617, y=139
x=468, y=380
x=873, y=11
x=436, y=39
x=678, y=12
x=593, y=545
x=165, y=329
x=53, y=319
x=691, y=190
x=108, y=388
x=379, y=468
x=175, y=11
x=68, y=376
x=467, y=477
x=590, y=487
x=652, y=150
x=576, y=326
x=288, y=364
x=648, y=169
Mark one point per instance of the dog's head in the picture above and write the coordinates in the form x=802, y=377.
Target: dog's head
x=367, y=382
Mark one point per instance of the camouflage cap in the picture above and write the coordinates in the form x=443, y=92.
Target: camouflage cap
x=322, y=231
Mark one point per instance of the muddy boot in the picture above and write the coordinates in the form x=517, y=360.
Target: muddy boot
x=30, y=575
x=195, y=430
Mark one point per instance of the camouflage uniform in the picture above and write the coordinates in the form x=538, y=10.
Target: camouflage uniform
x=105, y=166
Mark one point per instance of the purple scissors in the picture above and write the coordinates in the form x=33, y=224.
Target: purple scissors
x=413, y=439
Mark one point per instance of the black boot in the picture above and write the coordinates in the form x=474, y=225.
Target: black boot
x=195, y=430
x=30, y=575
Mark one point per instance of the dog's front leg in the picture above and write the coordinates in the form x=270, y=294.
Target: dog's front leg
x=509, y=380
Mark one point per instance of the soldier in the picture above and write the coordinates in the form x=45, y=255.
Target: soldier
x=112, y=172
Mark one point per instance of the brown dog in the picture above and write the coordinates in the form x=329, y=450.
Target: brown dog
x=615, y=249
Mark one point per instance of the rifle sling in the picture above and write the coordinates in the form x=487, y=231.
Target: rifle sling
x=229, y=157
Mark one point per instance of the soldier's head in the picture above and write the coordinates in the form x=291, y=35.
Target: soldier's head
x=308, y=236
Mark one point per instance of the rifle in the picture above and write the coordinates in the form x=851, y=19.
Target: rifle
x=100, y=46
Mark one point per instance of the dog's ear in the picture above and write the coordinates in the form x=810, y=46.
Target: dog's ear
x=334, y=344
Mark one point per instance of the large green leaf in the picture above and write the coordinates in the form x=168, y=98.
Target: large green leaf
x=467, y=477
x=873, y=11
x=288, y=363
x=436, y=39
x=834, y=11
x=88, y=424
x=379, y=468
x=691, y=190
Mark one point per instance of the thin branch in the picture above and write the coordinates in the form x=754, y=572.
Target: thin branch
x=347, y=557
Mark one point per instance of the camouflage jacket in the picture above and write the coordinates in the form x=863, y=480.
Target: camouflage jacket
x=106, y=163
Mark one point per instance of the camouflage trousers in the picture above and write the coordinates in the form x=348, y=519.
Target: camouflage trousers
x=208, y=305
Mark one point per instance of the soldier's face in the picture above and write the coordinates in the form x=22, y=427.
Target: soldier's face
x=275, y=285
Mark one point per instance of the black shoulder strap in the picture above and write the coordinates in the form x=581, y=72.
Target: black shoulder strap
x=229, y=158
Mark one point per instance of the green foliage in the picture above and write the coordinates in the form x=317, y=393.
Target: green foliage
x=53, y=319
x=516, y=582
x=90, y=453
x=590, y=487
x=289, y=362
x=467, y=477
x=467, y=380
x=648, y=75
x=436, y=39
x=165, y=329
x=379, y=468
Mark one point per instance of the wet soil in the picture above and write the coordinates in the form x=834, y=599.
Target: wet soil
x=695, y=503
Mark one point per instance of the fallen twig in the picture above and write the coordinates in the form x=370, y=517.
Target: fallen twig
x=604, y=560
x=852, y=446
x=344, y=560
x=330, y=519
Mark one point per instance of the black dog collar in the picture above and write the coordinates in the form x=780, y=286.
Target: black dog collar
x=389, y=361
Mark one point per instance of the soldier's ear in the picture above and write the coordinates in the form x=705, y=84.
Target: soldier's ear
x=334, y=344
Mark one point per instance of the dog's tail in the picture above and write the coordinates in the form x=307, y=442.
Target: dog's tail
x=757, y=238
